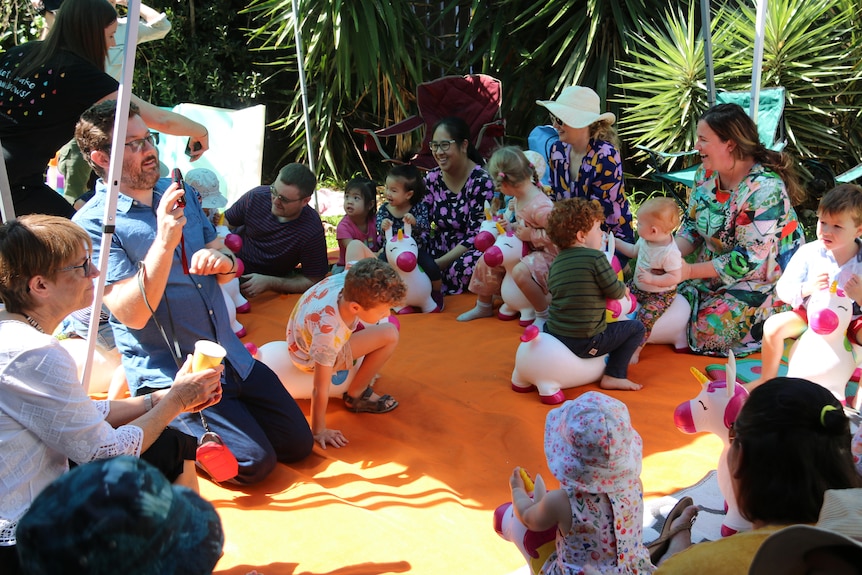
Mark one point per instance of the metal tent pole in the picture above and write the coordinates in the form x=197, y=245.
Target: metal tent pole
x=757, y=63
x=300, y=63
x=121, y=121
x=706, y=32
x=7, y=210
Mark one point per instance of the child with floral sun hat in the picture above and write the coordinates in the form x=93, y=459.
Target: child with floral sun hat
x=595, y=454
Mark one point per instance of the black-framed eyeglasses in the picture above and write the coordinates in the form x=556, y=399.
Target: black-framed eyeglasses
x=137, y=145
x=278, y=197
x=442, y=145
x=555, y=120
x=84, y=266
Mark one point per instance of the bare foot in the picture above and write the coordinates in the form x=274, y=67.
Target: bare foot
x=609, y=382
x=636, y=356
x=681, y=532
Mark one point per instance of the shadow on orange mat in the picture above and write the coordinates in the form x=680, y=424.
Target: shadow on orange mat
x=416, y=488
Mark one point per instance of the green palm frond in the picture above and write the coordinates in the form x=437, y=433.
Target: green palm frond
x=664, y=83
x=354, y=76
x=811, y=48
x=806, y=51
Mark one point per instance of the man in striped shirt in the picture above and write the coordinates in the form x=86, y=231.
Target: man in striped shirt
x=283, y=242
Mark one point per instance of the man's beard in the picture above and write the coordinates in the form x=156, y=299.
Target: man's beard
x=136, y=177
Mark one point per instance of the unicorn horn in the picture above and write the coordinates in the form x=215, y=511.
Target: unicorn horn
x=400, y=235
x=698, y=375
x=500, y=229
x=730, y=374
x=834, y=287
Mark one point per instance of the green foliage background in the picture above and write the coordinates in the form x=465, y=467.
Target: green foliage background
x=363, y=60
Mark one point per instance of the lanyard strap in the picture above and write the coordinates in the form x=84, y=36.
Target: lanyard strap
x=183, y=255
x=173, y=344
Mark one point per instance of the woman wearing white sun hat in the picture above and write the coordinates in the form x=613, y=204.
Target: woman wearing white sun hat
x=586, y=162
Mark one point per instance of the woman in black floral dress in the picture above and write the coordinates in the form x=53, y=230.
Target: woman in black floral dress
x=457, y=190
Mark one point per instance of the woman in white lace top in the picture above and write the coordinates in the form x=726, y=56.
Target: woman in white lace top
x=46, y=418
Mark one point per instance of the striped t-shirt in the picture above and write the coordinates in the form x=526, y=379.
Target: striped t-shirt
x=580, y=281
x=276, y=248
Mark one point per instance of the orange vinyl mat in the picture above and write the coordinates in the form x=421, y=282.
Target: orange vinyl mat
x=415, y=490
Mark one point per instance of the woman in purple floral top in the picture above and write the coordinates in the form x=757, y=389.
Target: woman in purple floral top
x=585, y=162
x=456, y=193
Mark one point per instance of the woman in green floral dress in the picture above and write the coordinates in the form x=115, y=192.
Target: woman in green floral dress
x=742, y=229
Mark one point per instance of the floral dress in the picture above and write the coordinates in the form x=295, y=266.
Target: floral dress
x=533, y=214
x=596, y=455
x=455, y=220
x=749, y=234
x=600, y=177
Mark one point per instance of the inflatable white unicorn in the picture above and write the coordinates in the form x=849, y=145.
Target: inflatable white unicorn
x=823, y=353
x=489, y=229
x=233, y=299
x=298, y=382
x=507, y=251
x=714, y=409
x=543, y=363
x=535, y=546
x=401, y=252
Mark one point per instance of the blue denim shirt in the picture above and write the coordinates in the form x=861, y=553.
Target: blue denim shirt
x=197, y=308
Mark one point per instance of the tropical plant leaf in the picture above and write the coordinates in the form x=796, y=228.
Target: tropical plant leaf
x=810, y=48
x=664, y=85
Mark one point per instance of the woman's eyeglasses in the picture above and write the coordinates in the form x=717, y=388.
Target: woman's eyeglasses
x=279, y=198
x=555, y=120
x=442, y=145
x=137, y=145
x=84, y=266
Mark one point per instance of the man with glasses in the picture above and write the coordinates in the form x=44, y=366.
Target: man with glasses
x=283, y=242
x=162, y=288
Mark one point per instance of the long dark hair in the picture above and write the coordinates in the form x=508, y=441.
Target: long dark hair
x=794, y=444
x=79, y=27
x=730, y=122
x=460, y=132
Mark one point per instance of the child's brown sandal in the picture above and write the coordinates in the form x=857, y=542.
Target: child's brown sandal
x=363, y=403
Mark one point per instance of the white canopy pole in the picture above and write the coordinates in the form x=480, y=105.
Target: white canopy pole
x=757, y=63
x=7, y=210
x=300, y=63
x=113, y=180
x=706, y=32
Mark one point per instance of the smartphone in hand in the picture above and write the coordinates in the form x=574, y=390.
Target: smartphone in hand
x=191, y=149
x=177, y=177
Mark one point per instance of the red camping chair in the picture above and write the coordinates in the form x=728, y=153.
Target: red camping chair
x=476, y=98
